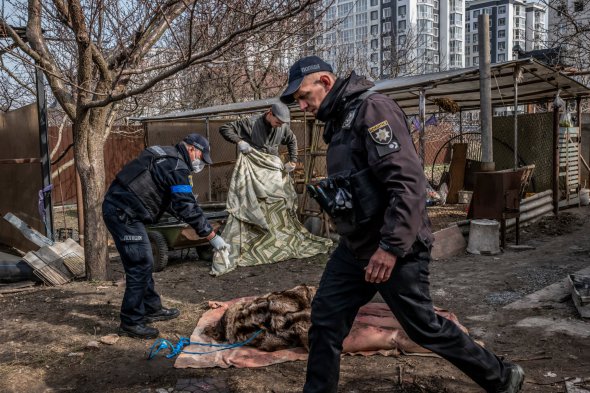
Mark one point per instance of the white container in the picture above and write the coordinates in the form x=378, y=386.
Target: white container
x=584, y=197
x=484, y=237
x=464, y=196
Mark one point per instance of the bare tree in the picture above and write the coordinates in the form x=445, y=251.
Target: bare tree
x=569, y=28
x=402, y=49
x=411, y=52
x=16, y=84
x=95, y=55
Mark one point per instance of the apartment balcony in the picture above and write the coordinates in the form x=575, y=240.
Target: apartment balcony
x=426, y=15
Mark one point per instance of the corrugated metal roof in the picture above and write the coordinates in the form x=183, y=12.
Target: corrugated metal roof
x=539, y=83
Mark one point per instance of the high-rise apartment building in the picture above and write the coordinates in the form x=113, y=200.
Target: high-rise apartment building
x=388, y=38
x=452, y=19
x=512, y=23
x=536, y=28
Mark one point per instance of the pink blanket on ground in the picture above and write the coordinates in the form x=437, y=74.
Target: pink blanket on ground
x=375, y=331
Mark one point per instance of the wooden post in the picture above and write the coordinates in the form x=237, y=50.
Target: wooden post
x=422, y=116
x=209, y=166
x=579, y=114
x=516, y=77
x=555, y=160
x=460, y=126
x=485, y=83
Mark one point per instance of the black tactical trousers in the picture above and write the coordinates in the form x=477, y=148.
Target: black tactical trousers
x=134, y=247
x=343, y=290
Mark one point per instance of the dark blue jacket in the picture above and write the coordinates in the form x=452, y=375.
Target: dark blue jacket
x=158, y=181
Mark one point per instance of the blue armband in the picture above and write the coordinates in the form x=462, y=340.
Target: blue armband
x=181, y=188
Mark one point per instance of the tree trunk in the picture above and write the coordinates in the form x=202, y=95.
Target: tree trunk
x=89, y=137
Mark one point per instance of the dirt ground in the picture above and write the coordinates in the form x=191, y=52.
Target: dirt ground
x=44, y=333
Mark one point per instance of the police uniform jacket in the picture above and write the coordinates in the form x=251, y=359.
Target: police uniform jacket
x=259, y=134
x=366, y=130
x=171, y=187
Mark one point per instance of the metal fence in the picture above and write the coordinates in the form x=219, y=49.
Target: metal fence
x=535, y=142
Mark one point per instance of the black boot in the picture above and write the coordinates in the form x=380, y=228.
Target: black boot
x=162, y=314
x=138, y=331
x=515, y=379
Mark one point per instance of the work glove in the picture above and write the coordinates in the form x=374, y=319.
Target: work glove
x=218, y=243
x=290, y=167
x=244, y=147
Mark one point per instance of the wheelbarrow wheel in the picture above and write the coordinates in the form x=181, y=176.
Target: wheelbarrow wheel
x=205, y=252
x=159, y=250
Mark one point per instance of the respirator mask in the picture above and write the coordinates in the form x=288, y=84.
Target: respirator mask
x=198, y=165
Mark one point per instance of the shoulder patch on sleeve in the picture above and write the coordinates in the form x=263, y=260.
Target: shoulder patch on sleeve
x=382, y=135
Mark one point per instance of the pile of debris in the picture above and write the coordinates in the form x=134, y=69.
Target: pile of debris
x=54, y=263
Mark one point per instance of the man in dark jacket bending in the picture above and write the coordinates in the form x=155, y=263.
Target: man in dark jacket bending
x=375, y=193
x=157, y=181
x=264, y=133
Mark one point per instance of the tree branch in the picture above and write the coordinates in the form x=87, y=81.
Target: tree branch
x=16, y=78
x=39, y=52
x=97, y=56
x=198, y=57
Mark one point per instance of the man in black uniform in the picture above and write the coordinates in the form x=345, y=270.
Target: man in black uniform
x=157, y=181
x=375, y=193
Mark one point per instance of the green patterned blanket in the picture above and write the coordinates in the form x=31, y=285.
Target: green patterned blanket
x=262, y=226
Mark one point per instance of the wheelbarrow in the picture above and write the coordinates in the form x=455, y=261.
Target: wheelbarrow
x=172, y=234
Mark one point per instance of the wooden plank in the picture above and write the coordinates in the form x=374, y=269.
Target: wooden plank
x=75, y=265
x=27, y=231
x=457, y=172
x=72, y=255
x=33, y=260
x=568, y=161
x=570, y=153
x=72, y=245
x=448, y=243
x=571, y=150
x=47, y=273
x=53, y=257
x=51, y=276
